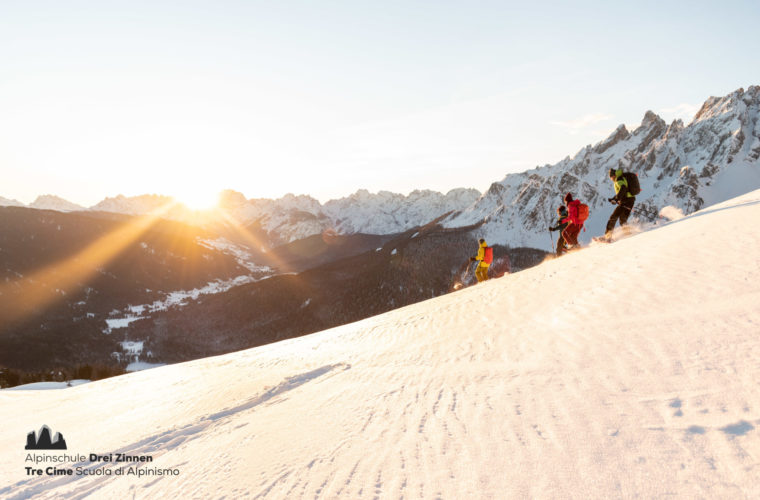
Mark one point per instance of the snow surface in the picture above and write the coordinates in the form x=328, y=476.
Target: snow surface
x=142, y=365
x=623, y=370
x=115, y=323
x=46, y=386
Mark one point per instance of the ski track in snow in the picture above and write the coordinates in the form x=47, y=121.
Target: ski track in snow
x=642, y=382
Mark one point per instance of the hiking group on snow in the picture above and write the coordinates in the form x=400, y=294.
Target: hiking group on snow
x=571, y=218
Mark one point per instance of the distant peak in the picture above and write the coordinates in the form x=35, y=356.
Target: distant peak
x=6, y=202
x=230, y=198
x=52, y=202
x=650, y=117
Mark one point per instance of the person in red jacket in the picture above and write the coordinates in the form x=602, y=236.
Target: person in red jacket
x=574, y=226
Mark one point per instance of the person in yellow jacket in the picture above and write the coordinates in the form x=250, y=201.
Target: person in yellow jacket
x=481, y=273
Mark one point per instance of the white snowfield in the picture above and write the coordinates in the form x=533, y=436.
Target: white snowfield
x=621, y=371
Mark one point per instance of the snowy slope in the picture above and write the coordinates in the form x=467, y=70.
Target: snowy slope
x=714, y=158
x=622, y=370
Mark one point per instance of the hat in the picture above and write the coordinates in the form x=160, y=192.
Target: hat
x=613, y=173
x=561, y=209
x=568, y=198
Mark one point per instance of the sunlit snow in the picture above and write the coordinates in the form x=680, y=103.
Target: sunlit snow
x=623, y=370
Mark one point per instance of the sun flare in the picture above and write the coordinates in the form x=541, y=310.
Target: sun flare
x=198, y=200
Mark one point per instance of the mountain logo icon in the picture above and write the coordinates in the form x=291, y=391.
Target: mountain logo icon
x=43, y=441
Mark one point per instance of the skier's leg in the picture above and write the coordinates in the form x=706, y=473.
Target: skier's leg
x=566, y=235
x=617, y=215
x=570, y=234
x=561, y=246
x=612, y=220
x=626, y=209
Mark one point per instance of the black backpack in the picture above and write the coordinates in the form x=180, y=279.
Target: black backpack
x=633, y=183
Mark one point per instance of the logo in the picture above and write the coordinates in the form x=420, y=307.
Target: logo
x=43, y=441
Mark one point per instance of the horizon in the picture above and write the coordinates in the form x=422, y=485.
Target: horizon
x=186, y=99
x=216, y=195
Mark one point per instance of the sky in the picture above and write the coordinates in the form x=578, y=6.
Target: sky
x=186, y=98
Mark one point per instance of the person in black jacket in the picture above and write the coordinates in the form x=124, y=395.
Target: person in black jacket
x=561, y=243
x=623, y=199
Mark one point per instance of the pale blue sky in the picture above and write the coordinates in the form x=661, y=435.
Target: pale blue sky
x=325, y=97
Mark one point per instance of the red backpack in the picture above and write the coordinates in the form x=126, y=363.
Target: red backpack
x=488, y=255
x=582, y=213
x=577, y=212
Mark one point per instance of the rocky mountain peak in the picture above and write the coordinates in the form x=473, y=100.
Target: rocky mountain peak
x=674, y=128
x=620, y=134
x=652, y=119
x=714, y=158
x=732, y=103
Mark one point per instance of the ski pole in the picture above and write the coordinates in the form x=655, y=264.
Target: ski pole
x=460, y=276
x=639, y=211
x=552, y=240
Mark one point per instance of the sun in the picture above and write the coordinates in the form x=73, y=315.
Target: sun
x=198, y=199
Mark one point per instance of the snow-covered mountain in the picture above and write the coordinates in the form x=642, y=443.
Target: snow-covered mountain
x=292, y=217
x=295, y=217
x=535, y=385
x=133, y=205
x=386, y=212
x=5, y=202
x=711, y=160
x=52, y=202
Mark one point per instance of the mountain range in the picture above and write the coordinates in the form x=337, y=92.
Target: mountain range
x=713, y=158
x=291, y=217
